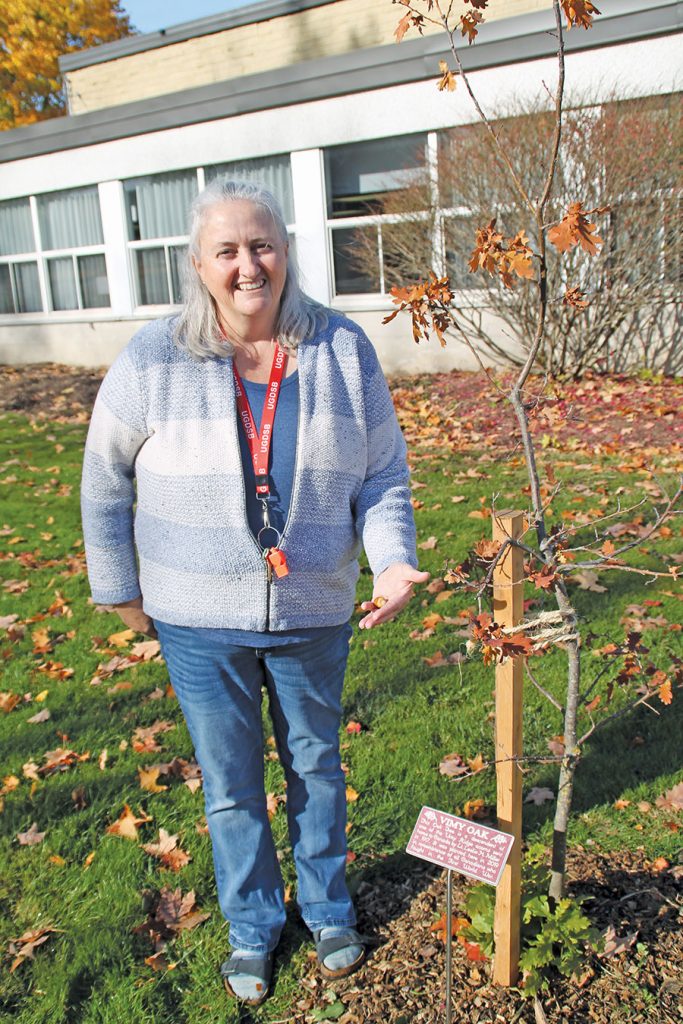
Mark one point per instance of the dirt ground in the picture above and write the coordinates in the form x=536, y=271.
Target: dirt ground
x=643, y=985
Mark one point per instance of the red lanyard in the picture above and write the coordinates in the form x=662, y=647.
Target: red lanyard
x=259, y=441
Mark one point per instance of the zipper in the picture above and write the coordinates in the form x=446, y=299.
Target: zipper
x=268, y=567
x=269, y=583
x=296, y=460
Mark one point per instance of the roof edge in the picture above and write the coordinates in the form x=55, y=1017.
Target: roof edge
x=266, y=10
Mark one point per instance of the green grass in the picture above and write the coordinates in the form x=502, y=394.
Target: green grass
x=92, y=971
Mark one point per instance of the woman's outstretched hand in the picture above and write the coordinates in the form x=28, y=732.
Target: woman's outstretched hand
x=395, y=587
x=135, y=618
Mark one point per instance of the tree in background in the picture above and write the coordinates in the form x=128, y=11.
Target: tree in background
x=33, y=35
x=622, y=308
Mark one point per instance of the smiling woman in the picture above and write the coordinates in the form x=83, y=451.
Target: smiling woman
x=242, y=263
x=242, y=551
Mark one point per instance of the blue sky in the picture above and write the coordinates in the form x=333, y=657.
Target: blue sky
x=151, y=15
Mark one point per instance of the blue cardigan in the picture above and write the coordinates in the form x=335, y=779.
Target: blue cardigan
x=164, y=433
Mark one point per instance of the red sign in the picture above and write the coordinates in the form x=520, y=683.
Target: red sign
x=461, y=845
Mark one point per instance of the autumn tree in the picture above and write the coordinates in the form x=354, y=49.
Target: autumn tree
x=619, y=153
x=519, y=249
x=33, y=35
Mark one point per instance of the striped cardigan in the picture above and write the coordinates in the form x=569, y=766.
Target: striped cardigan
x=163, y=497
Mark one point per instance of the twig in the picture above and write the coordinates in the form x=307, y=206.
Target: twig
x=542, y=689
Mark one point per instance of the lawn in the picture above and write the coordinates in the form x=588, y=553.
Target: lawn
x=87, y=710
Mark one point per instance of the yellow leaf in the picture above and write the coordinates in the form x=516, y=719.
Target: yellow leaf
x=351, y=795
x=148, y=780
x=122, y=639
x=126, y=825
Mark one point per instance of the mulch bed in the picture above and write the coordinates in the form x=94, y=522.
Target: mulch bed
x=403, y=980
x=49, y=390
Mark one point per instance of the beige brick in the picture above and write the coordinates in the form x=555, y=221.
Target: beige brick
x=247, y=49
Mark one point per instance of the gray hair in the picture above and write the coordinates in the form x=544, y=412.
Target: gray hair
x=197, y=330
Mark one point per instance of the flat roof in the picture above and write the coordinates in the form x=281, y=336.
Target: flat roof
x=505, y=41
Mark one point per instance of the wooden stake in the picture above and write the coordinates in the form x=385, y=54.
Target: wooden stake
x=508, y=610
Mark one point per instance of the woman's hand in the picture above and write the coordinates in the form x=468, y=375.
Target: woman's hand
x=395, y=585
x=135, y=618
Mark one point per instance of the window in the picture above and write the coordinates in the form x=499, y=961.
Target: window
x=275, y=172
x=156, y=210
x=366, y=183
x=19, y=282
x=71, y=221
x=58, y=234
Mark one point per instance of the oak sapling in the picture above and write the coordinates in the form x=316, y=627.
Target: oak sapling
x=519, y=257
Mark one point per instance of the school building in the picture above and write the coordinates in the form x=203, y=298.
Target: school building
x=313, y=98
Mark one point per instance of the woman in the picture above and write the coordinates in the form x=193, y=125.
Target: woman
x=257, y=435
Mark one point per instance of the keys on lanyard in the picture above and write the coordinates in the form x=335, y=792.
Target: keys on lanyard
x=259, y=447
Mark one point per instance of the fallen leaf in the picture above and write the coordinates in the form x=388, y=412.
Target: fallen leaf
x=351, y=795
x=588, y=580
x=127, y=823
x=40, y=716
x=474, y=809
x=60, y=760
x=429, y=544
x=148, y=779
x=272, y=803
x=539, y=795
x=121, y=639
x=9, y=783
x=8, y=701
x=158, y=961
x=476, y=764
x=144, y=737
x=672, y=800
x=146, y=649
x=452, y=766
x=24, y=947
x=616, y=944
x=178, y=912
x=440, y=927
x=168, y=851
x=32, y=837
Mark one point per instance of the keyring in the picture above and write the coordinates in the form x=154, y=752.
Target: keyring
x=260, y=542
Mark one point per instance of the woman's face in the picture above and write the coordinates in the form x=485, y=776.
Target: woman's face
x=243, y=264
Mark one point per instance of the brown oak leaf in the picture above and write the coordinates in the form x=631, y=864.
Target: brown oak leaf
x=127, y=823
x=168, y=851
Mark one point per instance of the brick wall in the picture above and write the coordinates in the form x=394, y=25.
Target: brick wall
x=247, y=49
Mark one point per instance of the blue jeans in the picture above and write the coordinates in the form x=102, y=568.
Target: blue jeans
x=219, y=689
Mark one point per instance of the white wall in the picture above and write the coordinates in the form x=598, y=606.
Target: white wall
x=96, y=343
x=640, y=68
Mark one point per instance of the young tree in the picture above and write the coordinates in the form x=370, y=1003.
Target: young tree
x=33, y=35
x=518, y=255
